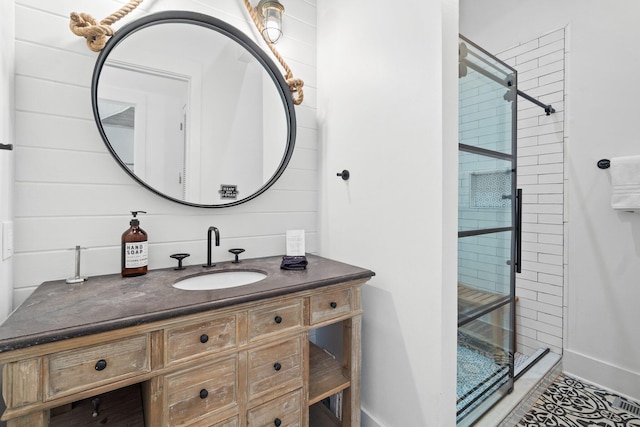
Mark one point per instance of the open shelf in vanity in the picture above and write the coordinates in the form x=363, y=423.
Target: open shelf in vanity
x=326, y=374
x=327, y=377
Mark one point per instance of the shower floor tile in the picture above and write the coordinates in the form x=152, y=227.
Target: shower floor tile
x=474, y=374
x=569, y=402
x=478, y=375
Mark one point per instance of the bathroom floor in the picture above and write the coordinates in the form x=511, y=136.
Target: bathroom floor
x=569, y=402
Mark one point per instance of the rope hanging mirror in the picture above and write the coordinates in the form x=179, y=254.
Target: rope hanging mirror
x=96, y=34
x=85, y=25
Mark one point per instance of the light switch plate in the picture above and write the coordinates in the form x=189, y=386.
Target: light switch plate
x=7, y=240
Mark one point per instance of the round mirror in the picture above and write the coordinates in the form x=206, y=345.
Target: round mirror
x=193, y=109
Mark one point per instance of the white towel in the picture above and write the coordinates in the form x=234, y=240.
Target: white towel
x=625, y=178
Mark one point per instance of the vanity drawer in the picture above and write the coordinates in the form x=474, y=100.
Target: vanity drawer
x=85, y=368
x=286, y=409
x=231, y=422
x=275, y=318
x=326, y=306
x=206, y=392
x=274, y=367
x=187, y=341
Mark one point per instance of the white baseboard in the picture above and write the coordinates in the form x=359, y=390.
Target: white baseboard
x=367, y=420
x=602, y=374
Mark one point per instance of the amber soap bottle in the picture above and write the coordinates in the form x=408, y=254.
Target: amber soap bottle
x=135, y=254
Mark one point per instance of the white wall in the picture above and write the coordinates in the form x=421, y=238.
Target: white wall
x=7, y=63
x=387, y=112
x=602, y=246
x=69, y=191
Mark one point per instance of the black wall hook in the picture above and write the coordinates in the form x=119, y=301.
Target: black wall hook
x=344, y=174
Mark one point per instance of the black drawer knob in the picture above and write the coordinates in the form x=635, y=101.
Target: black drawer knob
x=278, y=319
x=204, y=338
x=101, y=364
x=277, y=366
x=204, y=393
x=277, y=422
x=333, y=304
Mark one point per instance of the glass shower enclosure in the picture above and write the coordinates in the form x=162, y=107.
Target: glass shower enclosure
x=488, y=231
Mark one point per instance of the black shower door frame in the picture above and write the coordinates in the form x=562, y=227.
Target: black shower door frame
x=506, y=302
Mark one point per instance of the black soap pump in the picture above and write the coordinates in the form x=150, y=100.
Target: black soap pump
x=135, y=254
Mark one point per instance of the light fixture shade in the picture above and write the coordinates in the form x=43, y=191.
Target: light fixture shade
x=271, y=13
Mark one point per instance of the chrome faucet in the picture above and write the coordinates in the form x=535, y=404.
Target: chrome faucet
x=215, y=230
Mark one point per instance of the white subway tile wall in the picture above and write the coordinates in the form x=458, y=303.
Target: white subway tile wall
x=541, y=64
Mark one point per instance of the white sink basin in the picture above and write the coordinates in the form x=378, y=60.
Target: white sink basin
x=222, y=280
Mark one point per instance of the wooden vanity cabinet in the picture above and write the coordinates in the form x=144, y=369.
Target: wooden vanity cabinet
x=249, y=364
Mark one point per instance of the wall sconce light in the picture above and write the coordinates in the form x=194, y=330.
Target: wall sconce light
x=267, y=17
x=270, y=11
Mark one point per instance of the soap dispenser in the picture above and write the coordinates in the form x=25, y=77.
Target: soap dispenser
x=135, y=256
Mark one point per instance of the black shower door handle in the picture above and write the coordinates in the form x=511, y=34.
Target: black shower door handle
x=518, y=230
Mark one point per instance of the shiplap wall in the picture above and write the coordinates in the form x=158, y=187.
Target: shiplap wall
x=541, y=139
x=7, y=60
x=69, y=191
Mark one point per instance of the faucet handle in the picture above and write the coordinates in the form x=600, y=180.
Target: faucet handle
x=236, y=252
x=179, y=257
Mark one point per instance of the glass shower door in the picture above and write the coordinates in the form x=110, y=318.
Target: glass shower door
x=488, y=231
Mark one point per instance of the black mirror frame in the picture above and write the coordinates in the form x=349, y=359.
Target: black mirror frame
x=234, y=34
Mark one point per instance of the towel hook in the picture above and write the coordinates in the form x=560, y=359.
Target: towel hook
x=344, y=174
x=604, y=163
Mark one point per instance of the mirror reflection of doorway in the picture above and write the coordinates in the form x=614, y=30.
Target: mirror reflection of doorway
x=155, y=151
x=118, y=122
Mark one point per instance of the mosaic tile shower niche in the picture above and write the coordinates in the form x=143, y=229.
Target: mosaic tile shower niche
x=490, y=189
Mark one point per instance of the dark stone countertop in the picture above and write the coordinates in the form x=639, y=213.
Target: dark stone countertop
x=57, y=311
